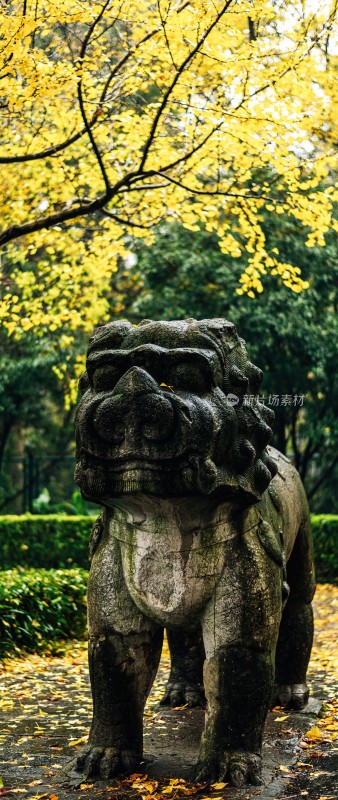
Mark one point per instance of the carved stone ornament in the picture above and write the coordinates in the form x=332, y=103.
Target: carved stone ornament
x=205, y=530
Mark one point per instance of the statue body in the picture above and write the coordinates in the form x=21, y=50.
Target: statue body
x=205, y=531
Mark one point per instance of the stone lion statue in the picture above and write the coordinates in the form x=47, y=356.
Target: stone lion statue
x=205, y=530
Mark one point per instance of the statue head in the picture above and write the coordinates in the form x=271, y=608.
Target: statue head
x=164, y=412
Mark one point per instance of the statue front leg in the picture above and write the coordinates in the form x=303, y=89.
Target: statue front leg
x=124, y=652
x=238, y=684
x=240, y=628
x=122, y=669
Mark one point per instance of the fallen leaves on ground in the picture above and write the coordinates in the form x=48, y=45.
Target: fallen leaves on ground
x=318, y=743
x=175, y=788
x=46, y=710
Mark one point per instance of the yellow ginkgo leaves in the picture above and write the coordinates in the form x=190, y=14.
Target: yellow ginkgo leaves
x=120, y=114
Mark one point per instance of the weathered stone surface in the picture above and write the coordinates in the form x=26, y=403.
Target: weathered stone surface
x=205, y=530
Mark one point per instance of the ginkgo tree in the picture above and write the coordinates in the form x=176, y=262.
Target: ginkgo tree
x=119, y=113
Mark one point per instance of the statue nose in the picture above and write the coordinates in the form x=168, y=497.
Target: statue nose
x=135, y=381
x=136, y=410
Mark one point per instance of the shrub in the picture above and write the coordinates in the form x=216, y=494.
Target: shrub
x=325, y=543
x=55, y=541
x=41, y=606
x=46, y=542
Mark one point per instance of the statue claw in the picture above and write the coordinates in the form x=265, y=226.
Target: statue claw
x=180, y=693
x=237, y=768
x=293, y=695
x=102, y=762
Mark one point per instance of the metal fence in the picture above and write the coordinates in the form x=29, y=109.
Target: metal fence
x=25, y=477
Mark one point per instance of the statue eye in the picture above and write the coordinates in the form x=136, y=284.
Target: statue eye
x=105, y=378
x=190, y=378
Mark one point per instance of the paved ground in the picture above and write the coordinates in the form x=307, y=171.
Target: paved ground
x=46, y=708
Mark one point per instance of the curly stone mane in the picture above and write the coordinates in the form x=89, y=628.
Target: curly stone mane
x=248, y=457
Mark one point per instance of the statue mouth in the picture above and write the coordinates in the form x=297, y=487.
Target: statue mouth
x=131, y=462
x=104, y=478
x=190, y=473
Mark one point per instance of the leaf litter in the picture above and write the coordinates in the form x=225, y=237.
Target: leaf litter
x=36, y=707
x=318, y=744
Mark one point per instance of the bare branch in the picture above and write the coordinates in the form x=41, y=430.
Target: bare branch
x=122, y=221
x=147, y=186
x=192, y=152
x=124, y=58
x=35, y=19
x=252, y=30
x=179, y=72
x=212, y=193
x=163, y=23
x=80, y=98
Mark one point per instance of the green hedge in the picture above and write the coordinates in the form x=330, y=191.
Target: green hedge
x=325, y=543
x=59, y=542
x=50, y=541
x=38, y=607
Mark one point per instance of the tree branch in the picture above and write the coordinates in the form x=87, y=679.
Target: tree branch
x=50, y=151
x=170, y=89
x=252, y=30
x=57, y=148
x=53, y=219
x=212, y=193
x=89, y=207
x=80, y=98
x=122, y=221
x=123, y=60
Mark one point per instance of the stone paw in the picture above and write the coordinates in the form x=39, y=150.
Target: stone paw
x=181, y=693
x=238, y=768
x=294, y=695
x=103, y=762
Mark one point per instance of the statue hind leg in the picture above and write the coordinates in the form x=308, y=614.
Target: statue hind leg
x=185, y=684
x=296, y=628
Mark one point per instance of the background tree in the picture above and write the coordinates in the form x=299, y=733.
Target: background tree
x=292, y=337
x=119, y=114
x=38, y=391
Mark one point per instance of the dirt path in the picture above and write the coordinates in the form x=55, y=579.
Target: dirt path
x=46, y=708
